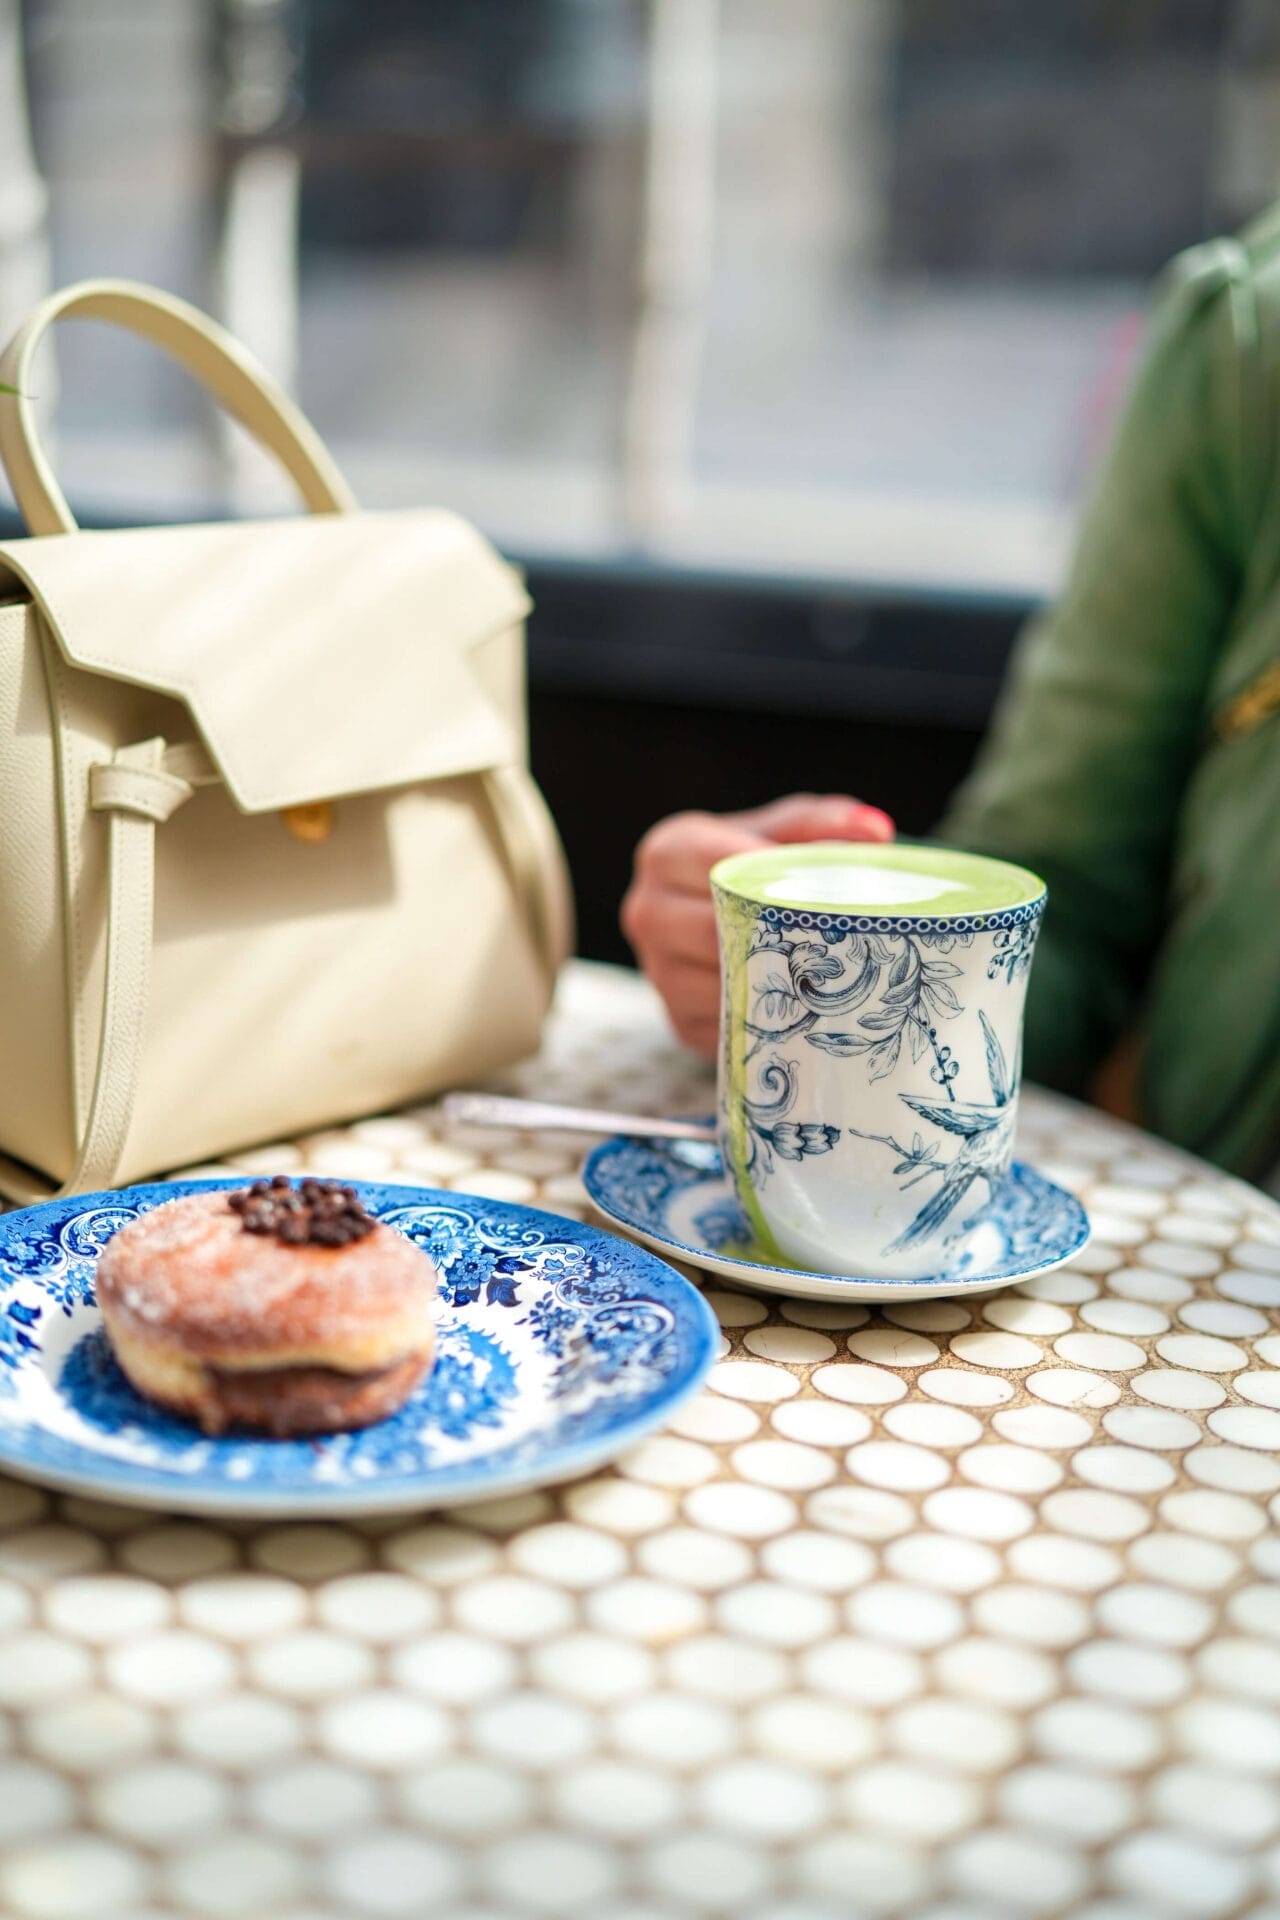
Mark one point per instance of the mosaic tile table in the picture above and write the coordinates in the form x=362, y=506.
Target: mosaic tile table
x=948, y=1611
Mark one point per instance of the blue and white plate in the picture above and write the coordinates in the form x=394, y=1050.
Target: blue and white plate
x=676, y=1196
x=559, y=1345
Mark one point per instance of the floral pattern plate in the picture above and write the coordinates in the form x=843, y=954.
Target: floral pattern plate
x=559, y=1345
x=676, y=1196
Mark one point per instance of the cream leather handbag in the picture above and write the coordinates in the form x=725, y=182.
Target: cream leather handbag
x=270, y=856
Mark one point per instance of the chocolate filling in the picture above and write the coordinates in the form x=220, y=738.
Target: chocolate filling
x=297, y=1400
x=316, y=1213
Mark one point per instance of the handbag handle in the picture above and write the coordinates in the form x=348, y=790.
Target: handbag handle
x=212, y=356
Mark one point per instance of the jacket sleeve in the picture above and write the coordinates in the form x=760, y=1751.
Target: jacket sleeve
x=1102, y=712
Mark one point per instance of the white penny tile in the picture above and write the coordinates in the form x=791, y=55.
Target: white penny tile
x=1010, y=1352
x=750, y=1513
x=811, y=1733
x=1095, y=1515
x=1254, y=1289
x=783, y=1463
x=776, y=1615
x=32, y=1801
x=1116, y=1229
x=391, y=1873
x=1232, y=1469
x=727, y=1670
x=1124, y=1670
x=382, y=1729
x=1015, y=1313
x=1201, y=1352
x=905, y=1615
x=1072, y=1387
x=832, y=1315
x=821, y=1423
x=997, y=1673
x=1184, y=1392
x=1096, y=1734
x=1247, y=1667
x=309, y=1552
x=1197, y=1230
x=69, y=1877
x=1142, y=1611
x=1078, y=1565
x=1229, y=1733
x=381, y=1607
x=593, y=1668
x=1184, y=1561
x=1259, y=1256
x=177, y=1552
x=1182, y=1875
x=1036, y=1615
x=692, y=1558
x=90, y=1731
x=761, y=1799
x=313, y=1800
x=616, y=1800
x=622, y=1506
x=961, y=1387
x=893, y=1347
x=106, y=1607
x=859, y=1384
x=706, y=1873
x=1054, y=1428
x=159, y=1802
x=1224, y=1318
x=928, y=1316
x=1195, y=1262
x=1071, y=1284
x=465, y=1798
x=309, y=1665
x=1081, y=1804
x=962, y=1735
x=169, y=1669
x=1123, y=1469
x=940, y=1560
x=712, y=1417
x=1145, y=1202
x=1150, y=1284
x=861, y=1671
x=888, y=1877
x=868, y=1513
x=1133, y=1318
x=1256, y=1609
x=654, y=1612
x=897, y=1465
x=454, y=1668
x=1152, y=1427
x=736, y=1309
x=793, y=1346
x=673, y=1729
x=824, y=1562
x=1230, y=1807
x=926, y=1425
x=1247, y=1427
x=509, y=1607
x=1104, y=1352
x=898, y=1797
x=534, y=1730
x=1215, y=1516
x=439, y=1553
x=41, y=1554
x=999, y=1862
x=668, y=1462
x=1010, y=1468
x=242, y=1606
x=1262, y=1388
x=234, y=1876
x=238, y=1730
x=979, y=1513
x=755, y=1380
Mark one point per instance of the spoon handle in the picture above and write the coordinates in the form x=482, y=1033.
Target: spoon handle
x=499, y=1110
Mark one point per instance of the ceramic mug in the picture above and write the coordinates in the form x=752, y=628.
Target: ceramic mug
x=870, y=1047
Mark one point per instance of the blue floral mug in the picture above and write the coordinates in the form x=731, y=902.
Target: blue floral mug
x=871, y=1047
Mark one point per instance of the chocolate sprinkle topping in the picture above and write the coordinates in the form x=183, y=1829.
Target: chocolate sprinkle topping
x=317, y=1213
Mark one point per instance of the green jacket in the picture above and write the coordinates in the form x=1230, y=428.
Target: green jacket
x=1135, y=758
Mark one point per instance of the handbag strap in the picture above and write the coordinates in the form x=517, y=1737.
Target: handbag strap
x=212, y=356
x=139, y=787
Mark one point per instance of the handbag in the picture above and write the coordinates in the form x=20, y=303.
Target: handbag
x=270, y=854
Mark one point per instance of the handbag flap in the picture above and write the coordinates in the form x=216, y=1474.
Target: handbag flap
x=326, y=655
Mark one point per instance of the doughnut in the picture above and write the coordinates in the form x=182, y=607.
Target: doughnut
x=278, y=1308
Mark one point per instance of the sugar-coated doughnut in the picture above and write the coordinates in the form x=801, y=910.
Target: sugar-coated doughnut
x=281, y=1308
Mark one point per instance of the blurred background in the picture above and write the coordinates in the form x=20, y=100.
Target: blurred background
x=777, y=342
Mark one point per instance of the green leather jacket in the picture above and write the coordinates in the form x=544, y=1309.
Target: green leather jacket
x=1135, y=758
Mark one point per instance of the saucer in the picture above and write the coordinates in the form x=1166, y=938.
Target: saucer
x=676, y=1197
x=557, y=1346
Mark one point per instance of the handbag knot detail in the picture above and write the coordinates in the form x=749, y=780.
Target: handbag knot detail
x=178, y=977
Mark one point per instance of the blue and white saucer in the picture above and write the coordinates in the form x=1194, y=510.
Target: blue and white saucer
x=675, y=1196
x=558, y=1346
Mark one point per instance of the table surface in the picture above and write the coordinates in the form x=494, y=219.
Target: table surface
x=959, y=1609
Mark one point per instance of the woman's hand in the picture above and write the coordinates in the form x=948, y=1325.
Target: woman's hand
x=667, y=913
